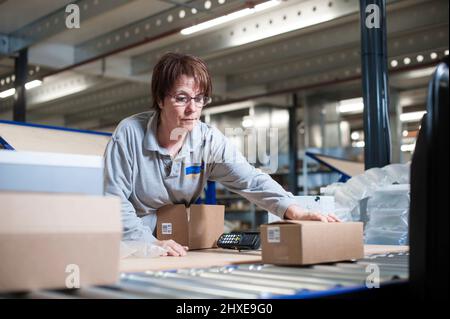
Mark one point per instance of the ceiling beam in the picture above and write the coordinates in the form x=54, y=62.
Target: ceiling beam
x=401, y=47
x=111, y=112
x=115, y=91
x=287, y=17
x=301, y=28
x=53, y=24
x=167, y=22
x=55, y=89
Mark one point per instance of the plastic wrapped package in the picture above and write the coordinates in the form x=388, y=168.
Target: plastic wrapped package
x=350, y=196
x=378, y=176
x=331, y=189
x=385, y=236
x=345, y=203
x=388, y=213
x=342, y=199
x=359, y=187
x=399, y=173
x=395, y=219
x=390, y=196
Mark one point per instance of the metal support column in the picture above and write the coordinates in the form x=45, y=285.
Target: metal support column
x=375, y=83
x=21, y=69
x=293, y=176
x=395, y=125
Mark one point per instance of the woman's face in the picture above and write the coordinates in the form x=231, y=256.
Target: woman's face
x=181, y=115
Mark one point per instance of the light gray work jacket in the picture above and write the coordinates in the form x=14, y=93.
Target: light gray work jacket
x=146, y=177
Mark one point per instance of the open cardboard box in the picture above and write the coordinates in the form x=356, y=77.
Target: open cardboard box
x=291, y=242
x=47, y=240
x=196, y=226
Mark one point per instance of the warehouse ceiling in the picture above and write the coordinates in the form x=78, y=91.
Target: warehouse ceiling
x=95, y=75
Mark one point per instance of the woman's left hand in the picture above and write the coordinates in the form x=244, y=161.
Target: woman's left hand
x=297, y=213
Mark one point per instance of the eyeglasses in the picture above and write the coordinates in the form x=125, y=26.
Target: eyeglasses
x=183, y=100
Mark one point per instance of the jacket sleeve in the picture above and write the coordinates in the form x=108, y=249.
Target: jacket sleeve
x=229, y=167
x=119, y=182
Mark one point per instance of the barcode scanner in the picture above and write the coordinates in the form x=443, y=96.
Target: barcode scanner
x=239, y=240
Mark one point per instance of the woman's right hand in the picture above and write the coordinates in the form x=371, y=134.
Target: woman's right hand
x=172, y=247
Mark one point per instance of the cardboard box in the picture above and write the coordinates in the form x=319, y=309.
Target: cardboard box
x=51, y=173
x=197, y=226
x=292, y=242
x=46, y=240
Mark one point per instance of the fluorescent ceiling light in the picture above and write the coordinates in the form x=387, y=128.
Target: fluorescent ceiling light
x=7, y=93
x=247, y=122
x=355, y=136
x=229, y=107
x=28, y=86
x=358, y=144
x=412, y=116
x=351, y=106
x=407, y=147
x=32, y=84
x=229, y=17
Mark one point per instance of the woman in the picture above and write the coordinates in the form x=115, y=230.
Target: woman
x=167, y=155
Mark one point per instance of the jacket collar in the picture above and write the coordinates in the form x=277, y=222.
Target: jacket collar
x=192, y=141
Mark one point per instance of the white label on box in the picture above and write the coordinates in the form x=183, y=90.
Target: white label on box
x=273, y=234
x=166, y=228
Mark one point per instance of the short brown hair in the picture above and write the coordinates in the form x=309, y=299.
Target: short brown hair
x=170, y=67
